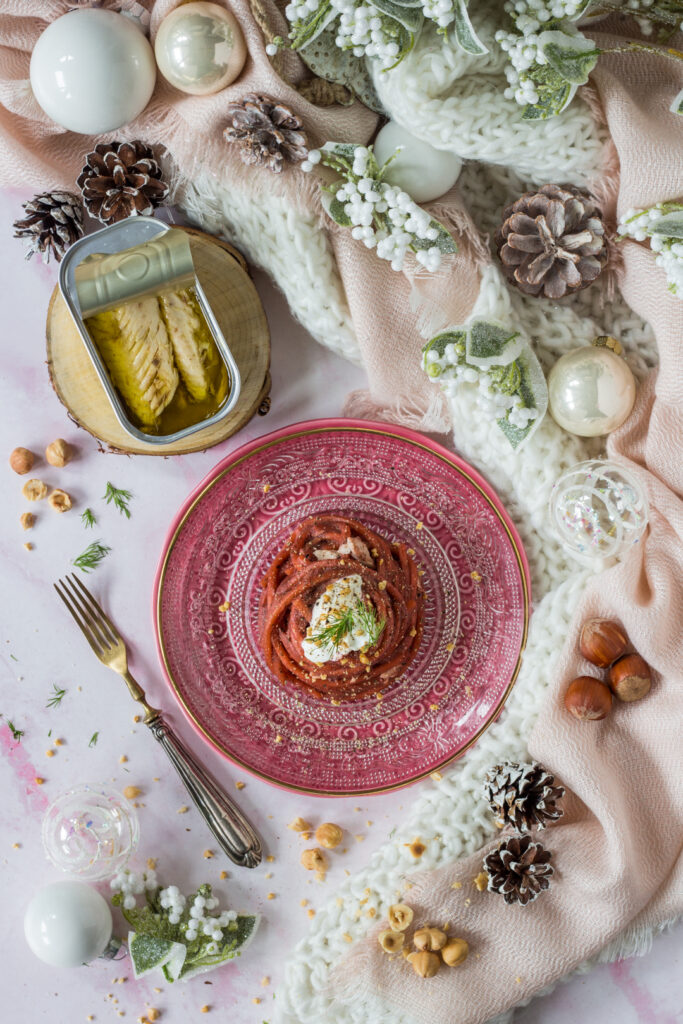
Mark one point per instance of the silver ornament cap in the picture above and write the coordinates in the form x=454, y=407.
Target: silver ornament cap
x=591, y=391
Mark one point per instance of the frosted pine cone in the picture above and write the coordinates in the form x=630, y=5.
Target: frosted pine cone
x=519, y=869
x=267, y=132
x=53, y=222
x=551, y=242
x=523, y=795
x=120, y=179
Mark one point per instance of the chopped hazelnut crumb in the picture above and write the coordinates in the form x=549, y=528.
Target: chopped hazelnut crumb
x=223, y=874
x=481, y=881
x=268, y=874
x=123, y=759
x=38, y=781
x=28, y=546
x=370, y=912
x=419, y=526
x=475, y=576
x=278, y=738
x=304, y=903
x=417, y=847
x=207, y=855
x=518, y=980
x=450, y=647
x=311, y=912
x=152, y=1013
x=224, y=607
x=49, y=753
x=270, y=896
x=346, y=937
x=270, y=858
x=433, y=707
x=205, y=1009
x=300, y=825
x=368, y=823
x=359, y=838
x=183, y=810
x=256, y=1000
x=382, y=585
x=27, y=520
x=240, y=785
x=151, y=863
x=437, y=776
x=266, y=488
x=130, y=792
x=456, y=885
x=265, y=981
x=16, y=846
x=136, y=718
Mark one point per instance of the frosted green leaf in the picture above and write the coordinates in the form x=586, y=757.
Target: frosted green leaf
x=490, y=343
x=235, y=938
x=445, y=242
x=410, y=17
x=677, y=105
x=328, y=61
x=438, y=344
x=572, y=56
x=335, y=210
x=147, y=952
x=345, y=150
x=670, y=225
x=464, y=31
x=304, y=32
x=551, y=102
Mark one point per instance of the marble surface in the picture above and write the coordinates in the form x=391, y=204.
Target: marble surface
x=40, y=648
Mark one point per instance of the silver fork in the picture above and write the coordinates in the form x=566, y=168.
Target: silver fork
x=233, y=832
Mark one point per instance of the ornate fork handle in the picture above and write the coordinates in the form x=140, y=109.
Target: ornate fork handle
x=233, y=833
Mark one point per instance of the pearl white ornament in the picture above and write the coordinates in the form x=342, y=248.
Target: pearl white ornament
x=200, y=48
x=67, y=924
x=420, y=170
x=598, y=510
x=591, y=391
x=92, y=71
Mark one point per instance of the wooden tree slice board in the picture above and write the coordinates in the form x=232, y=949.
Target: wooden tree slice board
x=231, y=293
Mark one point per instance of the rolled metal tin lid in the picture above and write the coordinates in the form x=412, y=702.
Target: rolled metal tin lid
x=164, y=263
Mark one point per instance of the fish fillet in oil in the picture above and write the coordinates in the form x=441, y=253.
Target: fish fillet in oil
x=134, y=344
x=193, y=346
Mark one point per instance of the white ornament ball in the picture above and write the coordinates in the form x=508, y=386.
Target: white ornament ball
x=200, y=48
x=420, y=170
x=92, y=71
x=67, y=924
x=591, y=391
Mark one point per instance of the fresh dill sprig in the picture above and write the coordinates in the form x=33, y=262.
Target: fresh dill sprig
x=120, y=498
x=56, y=699
x=13, y=657
x=92, y=556
x=369, y=623
x=334, y=632
x=16, y=733
x=93, y=739
x=88, y=518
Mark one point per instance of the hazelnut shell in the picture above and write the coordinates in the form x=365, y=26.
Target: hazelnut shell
x=630, y=678
x=588, y=699
x=602, y=641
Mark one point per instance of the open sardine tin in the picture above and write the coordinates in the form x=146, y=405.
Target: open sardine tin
x=115, y=269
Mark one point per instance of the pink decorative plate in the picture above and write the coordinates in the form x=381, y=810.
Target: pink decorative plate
x=408, y=489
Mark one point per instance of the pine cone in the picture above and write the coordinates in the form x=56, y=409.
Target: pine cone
x=268, y=133
x=519, y=869
x=522, y=795
x=54, y=222
x=552, y=241
x=121, y=179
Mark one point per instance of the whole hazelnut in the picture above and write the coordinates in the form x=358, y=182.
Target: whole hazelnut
x=391, y=941
x=329, y=835
x=429, y=938
x=27, y=520
x=58, y=453
x=400, y=916
x=425, y=964
x=630, y=678
x=34, y=490
x=314, y=860
x=588, y=699
x=59, y=500
x=21, y=460
x=602, y=641
x=455, y=952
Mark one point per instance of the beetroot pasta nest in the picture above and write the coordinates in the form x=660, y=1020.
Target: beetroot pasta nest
x=319, y=558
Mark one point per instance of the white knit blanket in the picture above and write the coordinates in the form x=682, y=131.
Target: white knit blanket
x=437, y=96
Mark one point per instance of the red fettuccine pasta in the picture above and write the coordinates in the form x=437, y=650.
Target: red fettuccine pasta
x=322, y=550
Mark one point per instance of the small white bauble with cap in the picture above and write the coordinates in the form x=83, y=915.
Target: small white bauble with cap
x=420, y=170
x=200, y=48
x=67, y=924
x=591, y=391
x=92, y=71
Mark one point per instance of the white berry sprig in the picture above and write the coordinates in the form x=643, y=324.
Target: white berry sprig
x=381, y=216
x=662, y=224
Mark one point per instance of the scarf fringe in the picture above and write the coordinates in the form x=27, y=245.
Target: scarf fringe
x=404, y=411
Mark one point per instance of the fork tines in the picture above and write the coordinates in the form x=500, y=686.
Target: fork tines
x=95, y=625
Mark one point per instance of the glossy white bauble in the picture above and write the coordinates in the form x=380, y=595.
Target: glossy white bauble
x=200, y=48
x=420, y=170
x=67, y=924
x=591, y=391
x=92, y=71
